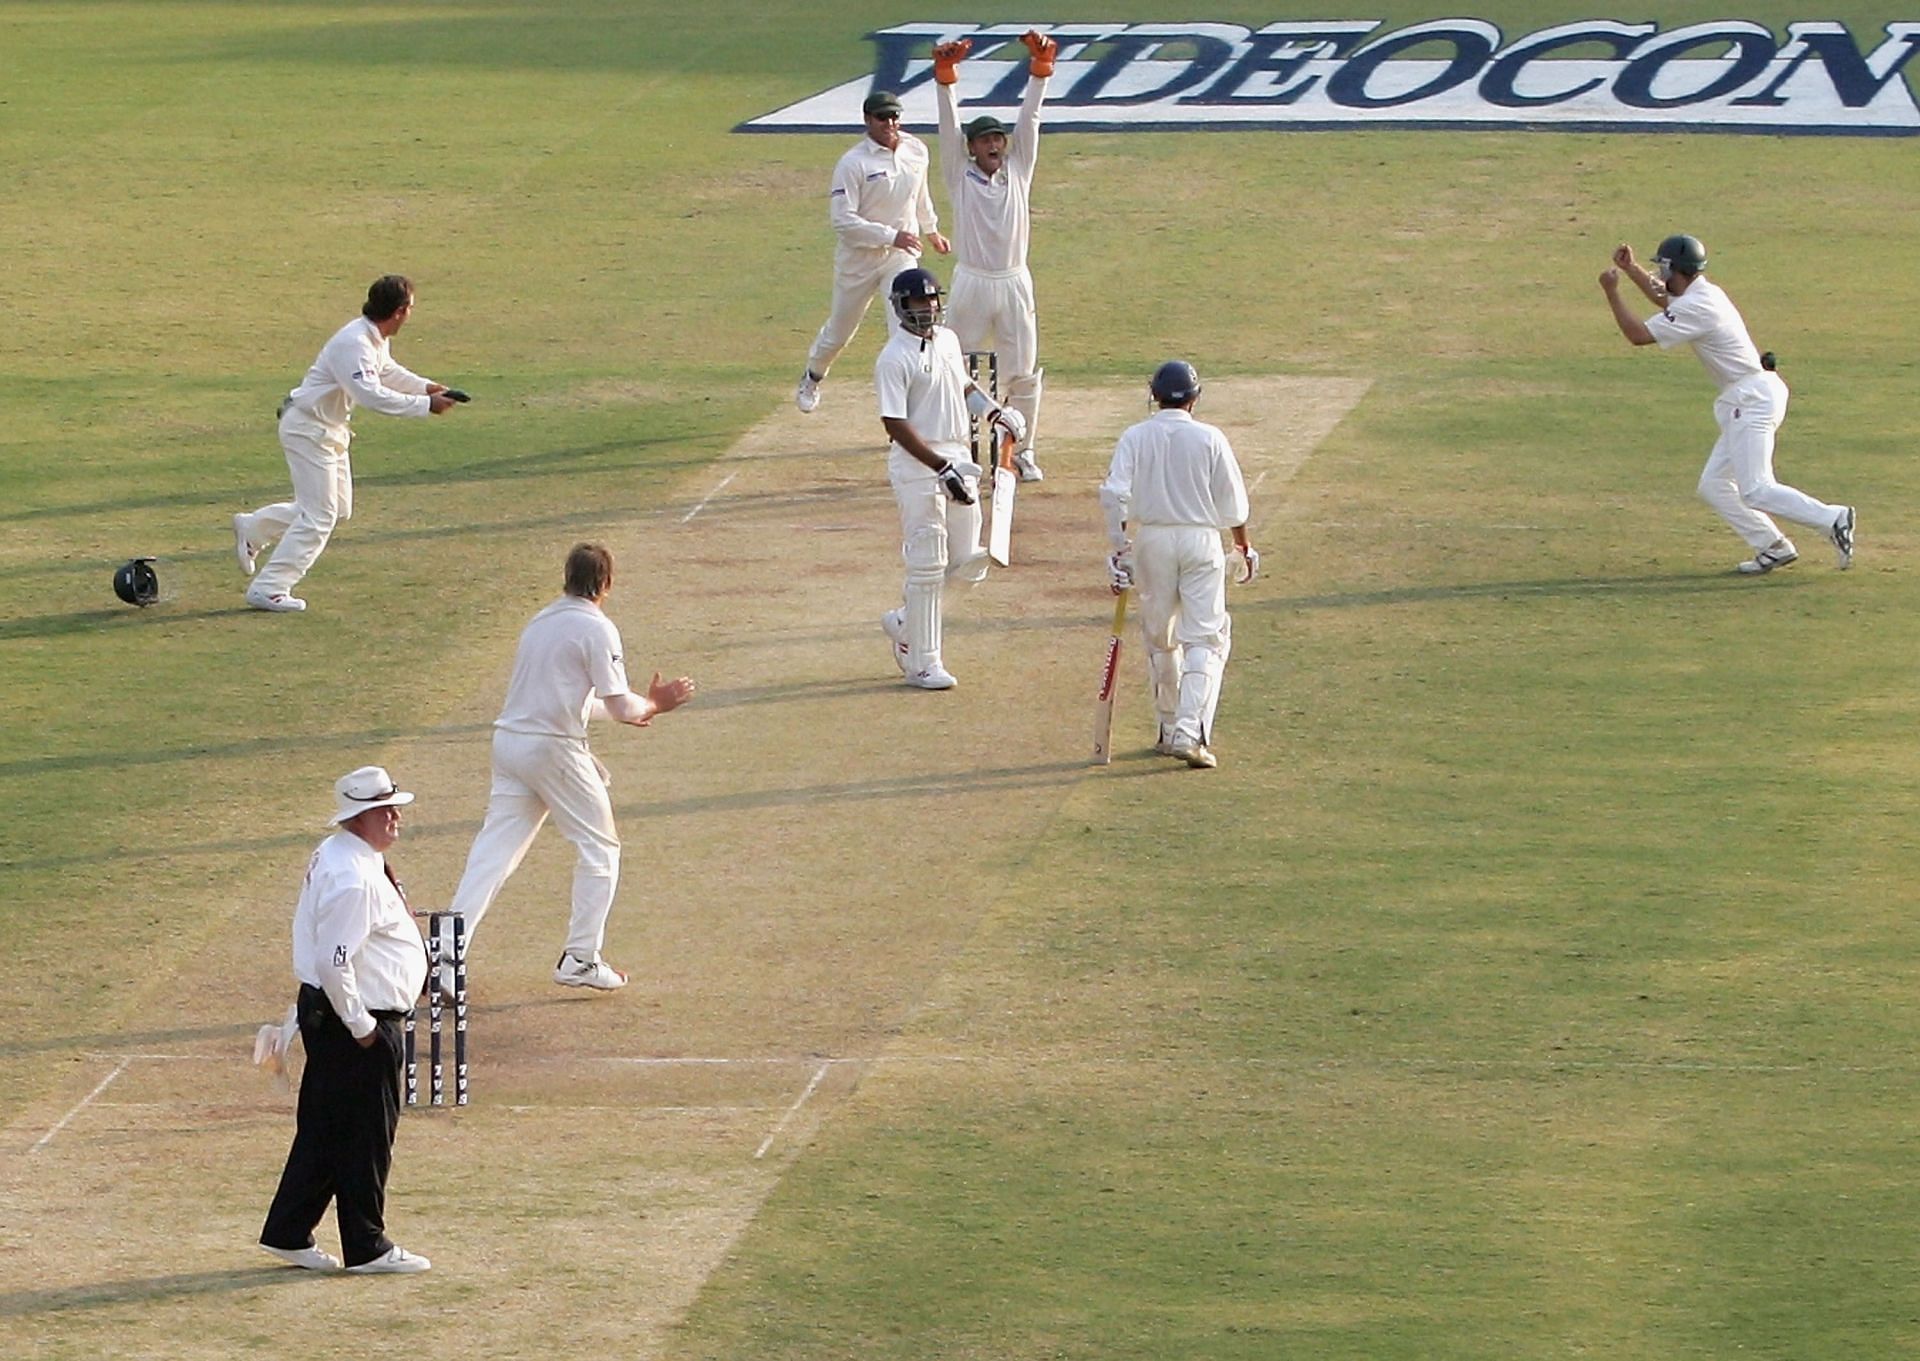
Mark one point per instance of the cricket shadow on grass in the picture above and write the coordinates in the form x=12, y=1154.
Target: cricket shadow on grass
x=1669, y=583
x=937, y=784
x=88, y=621
x=245, y=748
x=185, y=1285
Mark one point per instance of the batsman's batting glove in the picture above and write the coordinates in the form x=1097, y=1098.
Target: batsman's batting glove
x=1043, y=49
x=1120, y=570
x=1010, y=421
x=954, y=476
x=947, y=58
x=1250, y=564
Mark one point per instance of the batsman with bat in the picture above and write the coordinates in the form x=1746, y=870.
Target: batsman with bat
x=1173, y=485
x=925, y=397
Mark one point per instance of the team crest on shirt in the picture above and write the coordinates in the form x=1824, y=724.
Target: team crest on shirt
x=339, y=956
x=1589, y=75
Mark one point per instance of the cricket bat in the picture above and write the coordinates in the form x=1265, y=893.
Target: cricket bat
x=1109, y=682
x=1000, y=536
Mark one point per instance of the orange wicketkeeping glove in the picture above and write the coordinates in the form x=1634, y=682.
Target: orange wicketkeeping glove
x=1043, y=49
x=947, y=58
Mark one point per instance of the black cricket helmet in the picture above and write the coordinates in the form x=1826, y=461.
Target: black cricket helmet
x=1681, y=254
x=137, y=583
x=918, y=286
x=1175, y=383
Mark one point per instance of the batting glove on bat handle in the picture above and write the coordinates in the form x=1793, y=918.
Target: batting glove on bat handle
x=1043, y=48
x=1010, y=421
x=1120, y=571
x=947, y=58
x=1250, y=564
x=955, y=482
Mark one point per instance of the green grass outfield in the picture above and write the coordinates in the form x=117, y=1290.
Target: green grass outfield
x=1537, y=976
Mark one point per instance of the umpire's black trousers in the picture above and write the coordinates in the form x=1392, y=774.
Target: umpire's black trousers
x=343, y=1134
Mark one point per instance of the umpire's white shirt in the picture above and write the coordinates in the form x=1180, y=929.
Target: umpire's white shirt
x=924, y=382
x=1705, y=318
x=877, y=193
x=990, y=212
x=357, y=367
x=1171, y=469
x=568, y=654
x=353, y=936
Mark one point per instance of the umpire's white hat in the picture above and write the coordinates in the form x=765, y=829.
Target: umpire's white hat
x=367, y=787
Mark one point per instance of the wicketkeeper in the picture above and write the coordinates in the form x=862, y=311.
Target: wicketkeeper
x=1174, y=484
x=925, y=398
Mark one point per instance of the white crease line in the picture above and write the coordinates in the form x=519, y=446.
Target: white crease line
x=702, y=505
x=792, y=1111
x=47, y=1138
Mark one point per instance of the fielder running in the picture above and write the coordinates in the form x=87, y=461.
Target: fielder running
x=1738, y=479
x=989, y=177
x=1174, y=483
x=355, y=367
x=882, y=214
x=925, y=397
x=567, y=670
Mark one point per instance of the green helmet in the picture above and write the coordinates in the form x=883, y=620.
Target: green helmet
x=1680, y=254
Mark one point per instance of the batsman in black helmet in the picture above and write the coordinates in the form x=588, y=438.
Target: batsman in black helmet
x=1738, y=480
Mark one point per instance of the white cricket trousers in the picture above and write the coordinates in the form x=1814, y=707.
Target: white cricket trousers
x=534, y=775
x=322, y=498
x=1180, y=583
x=858, y=276
x=998, y=306
x=939, y=540
x=1738, y=480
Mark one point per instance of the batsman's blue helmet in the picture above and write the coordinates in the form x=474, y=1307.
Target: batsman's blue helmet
x=917, y=285
x=1175, y=383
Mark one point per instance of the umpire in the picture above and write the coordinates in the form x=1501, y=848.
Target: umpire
x=361, y=964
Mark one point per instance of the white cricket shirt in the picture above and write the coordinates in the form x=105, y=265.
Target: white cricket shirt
x=1705, y=318
x=353, y=936
x=876, y=193
x=569, y=653
x=924, y=382
x=1173, y=470
x=991, y=222
x=356, y=367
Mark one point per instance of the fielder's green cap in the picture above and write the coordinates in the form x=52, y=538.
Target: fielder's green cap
x=881, y=104
x=985, y=124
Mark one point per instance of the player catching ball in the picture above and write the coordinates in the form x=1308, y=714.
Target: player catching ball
x=925, y=397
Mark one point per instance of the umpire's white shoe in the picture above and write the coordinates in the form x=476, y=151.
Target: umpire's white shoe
x=243, y=547
x=1779, y=553
x=1842, y=536
x=310, y=1257
x=395, y=1261
x=575, y=972
x=280, y=603
x=1028, y=467
x=894, y=624
x=807, y=395
x=935, y=677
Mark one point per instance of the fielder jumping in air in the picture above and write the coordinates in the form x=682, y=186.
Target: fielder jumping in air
x=925, y=397
x=1174, y=484
x=1738, y=479
x=882, y=214
x=989, y=178
x=356, y=367
x=568, y=669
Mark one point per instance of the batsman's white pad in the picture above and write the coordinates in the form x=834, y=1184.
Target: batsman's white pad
x=967, y=556
x=1023, y=395
x=1201, y=667
x=926, y=555
x=1000, y=539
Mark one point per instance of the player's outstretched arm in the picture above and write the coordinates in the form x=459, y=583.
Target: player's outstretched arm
x=1634, y=329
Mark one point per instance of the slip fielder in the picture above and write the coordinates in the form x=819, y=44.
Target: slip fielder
x=925, y=396
x=882, y=214
x=1738, y=478
x=1174, y=484
x=988, y=175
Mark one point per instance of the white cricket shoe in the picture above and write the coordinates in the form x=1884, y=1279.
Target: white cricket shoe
x=935, y=677
x=1779, y=553
x=395, y=1261
x=894, y=624
x=312, y=1258
x=243, y=547
x=1195, y=754
x=1163, y=744
x=807, y=395
x=1842, y=536
x=575, y=972
x=1028, y=467
x=279, y=603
